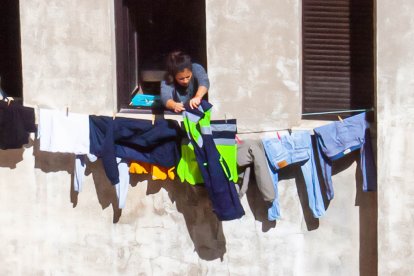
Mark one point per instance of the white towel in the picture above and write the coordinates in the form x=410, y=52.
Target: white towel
x=61, y=132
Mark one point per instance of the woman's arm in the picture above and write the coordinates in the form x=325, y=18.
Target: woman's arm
x=201, y=92
x=167, y=98
x=174, y=106
x=203, y=85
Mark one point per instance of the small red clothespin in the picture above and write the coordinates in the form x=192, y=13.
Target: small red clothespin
x=238, y=140
x=278, y=136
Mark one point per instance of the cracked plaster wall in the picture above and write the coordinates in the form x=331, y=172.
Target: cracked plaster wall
x=168, y=228
x=395, y=67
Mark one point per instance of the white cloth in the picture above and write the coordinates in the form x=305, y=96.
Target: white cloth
x=121, y=187
x=123, y=184
x=61, y=132
x=80, y=168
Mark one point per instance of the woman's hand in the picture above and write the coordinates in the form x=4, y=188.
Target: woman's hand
x=178, y=107
x=195, y=102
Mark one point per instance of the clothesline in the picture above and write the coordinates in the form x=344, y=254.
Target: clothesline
x=212, y=151
x=338, y=111
x=261, y=131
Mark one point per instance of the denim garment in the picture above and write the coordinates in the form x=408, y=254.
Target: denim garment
x=337, y=139
x=290, y=150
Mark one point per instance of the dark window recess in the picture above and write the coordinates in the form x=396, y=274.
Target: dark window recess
x=338, y=62
x=10, y=50
x=146, y=31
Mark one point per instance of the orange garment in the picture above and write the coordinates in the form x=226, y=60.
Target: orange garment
x=157, y=172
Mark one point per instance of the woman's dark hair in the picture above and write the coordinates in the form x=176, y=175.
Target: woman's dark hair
x=176, y=62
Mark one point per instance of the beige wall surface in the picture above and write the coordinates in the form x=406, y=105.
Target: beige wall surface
x=67, y=54
x=395, y=63
x=253, y=49
x=168, y=228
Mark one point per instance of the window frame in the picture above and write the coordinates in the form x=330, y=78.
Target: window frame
x=127, y=50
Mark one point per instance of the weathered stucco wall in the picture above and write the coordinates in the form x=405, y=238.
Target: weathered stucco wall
x=395, y=62
x=168, y=227
x=67, y=55
x=253, y=49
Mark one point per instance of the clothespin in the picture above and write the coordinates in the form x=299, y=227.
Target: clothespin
x=153, y=119
x=225, y=118
x=238, y=140
x=9, y=100
x=278, y=136
x=290, y=131
x=340, y=119
x=113, y=115
x=67, y=111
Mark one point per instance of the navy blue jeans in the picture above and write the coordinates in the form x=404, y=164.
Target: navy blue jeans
x=295, y=148
x=337, y=139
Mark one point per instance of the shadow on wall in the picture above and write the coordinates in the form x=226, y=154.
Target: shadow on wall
x=258, y=205
x=368, y=231
x=11, y=157
x=295, y=172
x=52, y=161
x=368, y=214
x=205, y=230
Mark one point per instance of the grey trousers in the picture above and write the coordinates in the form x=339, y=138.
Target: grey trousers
x=251, y=153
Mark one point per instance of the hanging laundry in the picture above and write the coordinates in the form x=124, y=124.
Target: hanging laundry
x=291, y=149
x=337, y=139
x=221, y=190
x=224, y=134
x=134, y=139
x=251, y=154
x=157, y=172
x=63, y=132
x=80, y=167
x=187, y=169
x=16, y=123
x=121, y=188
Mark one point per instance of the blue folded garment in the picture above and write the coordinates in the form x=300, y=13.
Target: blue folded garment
x=146, y=100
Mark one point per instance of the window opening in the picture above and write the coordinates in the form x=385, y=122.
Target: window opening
x=146, y=31
x=10, y=49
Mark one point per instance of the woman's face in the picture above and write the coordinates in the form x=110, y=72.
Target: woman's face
x=183, y=78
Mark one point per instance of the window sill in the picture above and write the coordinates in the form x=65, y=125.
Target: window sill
x=147, y=113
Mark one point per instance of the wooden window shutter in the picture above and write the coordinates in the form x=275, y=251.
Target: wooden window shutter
x=338, y=66
x=126, y=52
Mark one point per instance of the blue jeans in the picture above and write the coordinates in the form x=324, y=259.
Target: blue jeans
x=337, y=139
x=289, y=150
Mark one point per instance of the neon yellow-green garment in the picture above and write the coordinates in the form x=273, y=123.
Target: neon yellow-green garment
x=224, y=138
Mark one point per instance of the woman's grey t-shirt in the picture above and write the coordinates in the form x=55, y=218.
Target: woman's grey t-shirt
x=182, y=94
